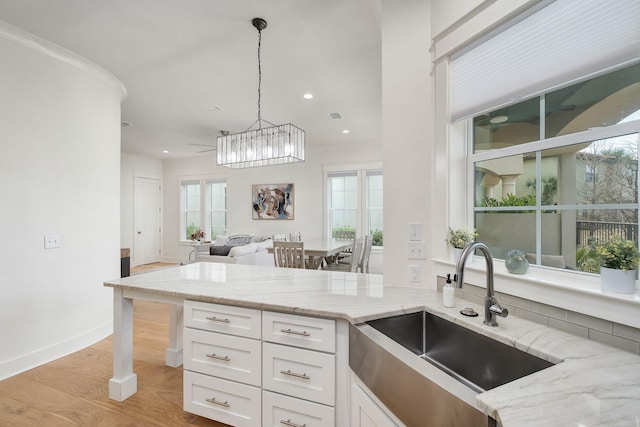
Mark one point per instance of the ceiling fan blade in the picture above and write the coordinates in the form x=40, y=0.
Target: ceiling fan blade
x=204, y=151
x=203, y=145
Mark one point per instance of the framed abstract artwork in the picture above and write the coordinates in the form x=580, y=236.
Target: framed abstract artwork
x=272, y=201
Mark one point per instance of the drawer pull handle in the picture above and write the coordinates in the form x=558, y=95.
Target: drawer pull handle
x=295, y=374
x=290, y=424
x=217, y=402
x=214, y=356
x=292, y=332
x=217, y=319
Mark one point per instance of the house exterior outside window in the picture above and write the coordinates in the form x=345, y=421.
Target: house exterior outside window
x=557, y=174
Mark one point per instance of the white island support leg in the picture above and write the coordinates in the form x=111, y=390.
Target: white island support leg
x=173, y=355
x=124, y=382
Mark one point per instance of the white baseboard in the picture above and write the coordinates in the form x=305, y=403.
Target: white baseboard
x=32, y=360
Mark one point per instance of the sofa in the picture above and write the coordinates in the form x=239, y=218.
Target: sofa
x=237, y=249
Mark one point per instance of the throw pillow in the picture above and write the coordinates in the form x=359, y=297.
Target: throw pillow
x=239, y=240
x=219, y=250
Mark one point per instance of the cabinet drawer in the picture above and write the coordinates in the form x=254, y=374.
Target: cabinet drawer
x=243, y=322
x=225, y=356
x=298, y=372
x=299, y=331
x=221, y=400
x=284, y=411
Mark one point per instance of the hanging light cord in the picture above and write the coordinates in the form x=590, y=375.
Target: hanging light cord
x=259, y=24
x=259, y=78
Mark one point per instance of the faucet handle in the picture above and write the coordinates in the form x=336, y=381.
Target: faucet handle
x=498, y=310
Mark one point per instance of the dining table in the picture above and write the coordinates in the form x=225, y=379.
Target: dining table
x=320, y=251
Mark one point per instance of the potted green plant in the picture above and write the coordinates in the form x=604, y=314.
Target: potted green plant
x=619, y=261
x=459, y=238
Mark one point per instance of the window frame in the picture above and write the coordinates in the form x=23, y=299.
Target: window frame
x=575, y=291
x=362, y=215
x=537, y=147
x=204, y=210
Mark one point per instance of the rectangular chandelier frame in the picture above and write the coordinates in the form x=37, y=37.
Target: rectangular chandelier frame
x=268, y=146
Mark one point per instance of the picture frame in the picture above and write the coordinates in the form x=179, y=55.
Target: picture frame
x=272, y=201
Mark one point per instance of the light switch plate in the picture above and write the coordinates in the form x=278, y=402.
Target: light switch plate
x=415, y=231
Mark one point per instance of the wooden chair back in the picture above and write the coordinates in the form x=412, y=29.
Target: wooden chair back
x=356, y=254
x=289, y=254
x=295, y=237
x=279, y=238
x=363, y=265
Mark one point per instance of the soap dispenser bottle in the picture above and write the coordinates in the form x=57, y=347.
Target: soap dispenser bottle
x=448, y=293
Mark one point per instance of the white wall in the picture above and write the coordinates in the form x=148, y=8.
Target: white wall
x=60, y=140
x=308, y=198
x=407, y=131
x=130, y=165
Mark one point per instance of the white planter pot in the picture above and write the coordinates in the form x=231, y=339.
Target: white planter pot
x=618, y=281
x=456, y=256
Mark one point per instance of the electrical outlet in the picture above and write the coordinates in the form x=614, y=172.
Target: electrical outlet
x=52, y=241
x=415, y=273
x=417, y=250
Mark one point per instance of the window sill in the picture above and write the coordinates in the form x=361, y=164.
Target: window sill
x=575, y=291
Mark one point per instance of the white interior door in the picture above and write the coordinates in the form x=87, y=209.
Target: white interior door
x=146, y=221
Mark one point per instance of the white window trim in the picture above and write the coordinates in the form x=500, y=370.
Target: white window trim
x=575, y=291
x=202, y=180
x=360, y=169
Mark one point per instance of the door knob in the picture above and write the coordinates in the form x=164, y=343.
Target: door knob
x=139, y=232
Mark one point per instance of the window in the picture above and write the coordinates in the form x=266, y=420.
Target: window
x=203, y=206
x=556, y=194
x=355, y=203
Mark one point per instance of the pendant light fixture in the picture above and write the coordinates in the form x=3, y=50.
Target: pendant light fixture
x=261, y=145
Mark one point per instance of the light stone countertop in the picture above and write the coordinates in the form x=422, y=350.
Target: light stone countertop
x=595, y=385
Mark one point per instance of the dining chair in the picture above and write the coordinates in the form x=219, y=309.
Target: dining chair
x=363, y=265
x=354, y=258
x=279, y=238
x=289, y=254
x=295, y=237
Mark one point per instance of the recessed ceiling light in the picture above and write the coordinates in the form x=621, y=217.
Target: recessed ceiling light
x=165, y=151
x=346, y=131
x=499, y=119
x=307, y=96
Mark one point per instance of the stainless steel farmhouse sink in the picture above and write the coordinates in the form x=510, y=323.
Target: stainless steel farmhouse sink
x=428, y=370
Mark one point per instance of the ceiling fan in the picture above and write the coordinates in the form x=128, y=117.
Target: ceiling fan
x=211, y=147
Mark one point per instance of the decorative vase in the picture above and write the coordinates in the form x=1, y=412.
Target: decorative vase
x=516, y=262
x=457, y=252
x=618, y=281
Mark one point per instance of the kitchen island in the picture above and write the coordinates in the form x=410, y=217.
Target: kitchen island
x=595, y=385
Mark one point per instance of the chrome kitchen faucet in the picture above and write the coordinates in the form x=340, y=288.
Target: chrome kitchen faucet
x=491, y=306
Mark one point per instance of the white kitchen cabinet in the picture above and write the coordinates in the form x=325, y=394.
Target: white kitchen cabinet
x=226, y=401
x=301, y=373
x=367, y=413
x=238, y=321
x=246, y=367
x=225, y=356
x=279, y=410
x=300, y=331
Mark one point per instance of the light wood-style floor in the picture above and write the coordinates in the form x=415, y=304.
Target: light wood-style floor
x=74, y=390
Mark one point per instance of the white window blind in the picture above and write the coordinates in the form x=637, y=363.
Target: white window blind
x=566, y=40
